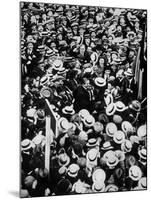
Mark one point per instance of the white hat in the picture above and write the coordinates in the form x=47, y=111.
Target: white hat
x=98, y=127
x=111, y=129
x=142, y=183
x=64, y=159
x=79, y=187
x=126, y=146
x=89, y=121
x=68, y=110
x=112, y=160
x=39, y=139
x=46, y=92
x=57, y=65
x=98, y=175
x=108, y=154
x=98, y=186
x=127, y=127
x=129, y=72
x=134, y=139
x=83, y=113
x=120, y=107
x=92, y=142
x=135, y=173
x=107, y=145
x=44, y=80
x=63, y=124
x=119, y=137
x=83, y=136
x=94, y=57
x=143, y=153
x=117, y=119
x=100, y=82
x=108, y=99
x=111, y=188
x=73, y=170
x=110, y=109
x=26, y=145
x=92, y=155
x=31, y=112
x=141, y=132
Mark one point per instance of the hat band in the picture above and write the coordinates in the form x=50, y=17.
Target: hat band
x=111, y=110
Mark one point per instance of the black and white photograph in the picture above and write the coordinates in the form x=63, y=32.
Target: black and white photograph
x=83, y=99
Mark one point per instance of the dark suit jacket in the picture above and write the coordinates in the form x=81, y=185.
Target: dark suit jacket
x=82, y=99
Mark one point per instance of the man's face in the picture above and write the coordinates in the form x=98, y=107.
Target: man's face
x=89, y=50
x=87, y=41
x=53, y=45
x=101, y=61
x=30, y=46
x=131, y=54
x=82, y=48
x=119, y=28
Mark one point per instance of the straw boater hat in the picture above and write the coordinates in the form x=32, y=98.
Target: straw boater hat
x=142, y=183
x=108, y=153
x=63, y=124
x=131, y=33
x=127, y=127
x=110, y=109
x=98, y=127
x=94, y=57
x=126, y=146
x=26, y=145
x=107, y=146
x=111, y=188
x=73, y=170
x=79, y=187
x=117, y=119
x=46, y=92
x=92, y=142
x=135, y=173
x=129, y=72
x=92, y=155
x=141, y=132
x=134, y=139
x=44, y=80
x=135, y=105
x=98, y=175
x=143, y=153
x=120, y=107
x=100, y=82
x=57, y=65
x=83, y=114
x=62, y=170
x=63, y=159
x=112, y=160
x=108, y=99
x=119, y=137
x=61, y=71
x=89, y=121
x=98, y=186
x=31, y=112
x=83, y=136
x=111, y=129
x=39, y=140
x=68, y=110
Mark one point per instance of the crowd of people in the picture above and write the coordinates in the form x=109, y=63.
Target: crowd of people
x=82, y=59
